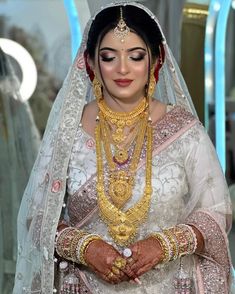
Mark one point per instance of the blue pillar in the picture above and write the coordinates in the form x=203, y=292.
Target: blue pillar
x=71, y=10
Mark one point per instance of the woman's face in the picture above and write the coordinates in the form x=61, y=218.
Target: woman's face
x=123, y=65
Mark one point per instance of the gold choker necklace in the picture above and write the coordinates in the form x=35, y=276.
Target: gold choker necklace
x=122, y=119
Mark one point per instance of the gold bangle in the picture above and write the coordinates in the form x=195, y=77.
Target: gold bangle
x=74, y=243
x=63, y=242
x=85, y=245
x=173, y=243
x=164, y=245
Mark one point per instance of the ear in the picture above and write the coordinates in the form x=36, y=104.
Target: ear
x=90, y=62
x=89, y=66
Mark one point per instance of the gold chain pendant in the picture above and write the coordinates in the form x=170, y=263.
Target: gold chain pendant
x=120, y=188
x=122, y=233
x=121, y=156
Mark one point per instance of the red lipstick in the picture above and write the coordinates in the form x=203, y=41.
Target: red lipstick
x=123, y=82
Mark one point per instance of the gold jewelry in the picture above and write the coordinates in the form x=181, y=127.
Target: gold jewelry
x=110, y=275
x=85, y=245
x=97, y=88
x=152, y=84
x=115, y=270
x=122, y=225
x=164, y=245
x=122, y=119
x=65, y=242
x=120, y=263
x=121, y=31
x=73, y=245
x=121, y=182
x=174, y=252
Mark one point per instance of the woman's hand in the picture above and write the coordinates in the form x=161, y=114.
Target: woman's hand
x=104, y=259
x=145, y=255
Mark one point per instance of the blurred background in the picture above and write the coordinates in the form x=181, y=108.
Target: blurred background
x=38, y=41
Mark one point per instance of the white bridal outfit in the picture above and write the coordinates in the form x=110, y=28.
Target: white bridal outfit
x=188, y=186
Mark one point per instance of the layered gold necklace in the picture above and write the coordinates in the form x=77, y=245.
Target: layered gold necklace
x=122, y=225
x=122, y=119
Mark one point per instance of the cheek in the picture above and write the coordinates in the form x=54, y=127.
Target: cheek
x=107, y=69
x=141, y=69
x=141, y=73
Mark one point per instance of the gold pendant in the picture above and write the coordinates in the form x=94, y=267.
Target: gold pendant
x=121, y=156
x=118, y=136
x=124, y=232
x=120, y=188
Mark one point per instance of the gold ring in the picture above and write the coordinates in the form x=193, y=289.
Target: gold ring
x=110, y=275
x=115, y=270
x=120, y=262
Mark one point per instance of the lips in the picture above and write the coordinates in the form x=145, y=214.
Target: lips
x=123, y=82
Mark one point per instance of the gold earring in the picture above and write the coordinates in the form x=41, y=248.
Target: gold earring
x=152, y=83
x=97, y=89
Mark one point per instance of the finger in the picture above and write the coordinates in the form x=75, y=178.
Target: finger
x=129, y=272
x=136, y=266
x=111, y=278
x=120, y=273
x=144, y=269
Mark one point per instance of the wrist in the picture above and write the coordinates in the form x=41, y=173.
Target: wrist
x=82, y=248
x=158, y=246
x=176, y=242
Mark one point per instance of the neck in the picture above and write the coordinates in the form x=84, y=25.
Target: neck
x=122, y=104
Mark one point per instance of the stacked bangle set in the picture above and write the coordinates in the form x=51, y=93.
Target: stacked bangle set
x=72, y=244
x=176, y=242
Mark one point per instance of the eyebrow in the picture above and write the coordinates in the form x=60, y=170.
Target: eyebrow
x=128, y=50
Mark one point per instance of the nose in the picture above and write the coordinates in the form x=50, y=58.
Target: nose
x=123, y=66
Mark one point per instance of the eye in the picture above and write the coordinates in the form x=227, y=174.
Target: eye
x=106, y=58
x=137, y=57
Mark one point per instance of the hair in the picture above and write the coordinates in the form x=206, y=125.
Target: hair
x=136, y=19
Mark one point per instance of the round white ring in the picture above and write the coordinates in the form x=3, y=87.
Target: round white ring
x=26, y=63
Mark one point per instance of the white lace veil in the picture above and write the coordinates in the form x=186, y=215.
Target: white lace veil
x=43, y=198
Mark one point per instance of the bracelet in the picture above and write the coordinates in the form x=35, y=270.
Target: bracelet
x=173, y=244
x=66, y=242
x=84, y=246
x=63, y=242
x=193, y=238
x=74, y=243
x=185, y=238
x=165, y=245
x=176, y=242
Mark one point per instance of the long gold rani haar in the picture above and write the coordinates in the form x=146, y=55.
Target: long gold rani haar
x=122, y=225
x=121, y=182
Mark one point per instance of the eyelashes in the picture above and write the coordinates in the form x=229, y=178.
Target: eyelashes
x=106, y=59
x=137, y=58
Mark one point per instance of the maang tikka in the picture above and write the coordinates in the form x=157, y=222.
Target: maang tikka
x=121, y=30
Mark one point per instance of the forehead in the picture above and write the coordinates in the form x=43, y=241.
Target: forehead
x=131, y=40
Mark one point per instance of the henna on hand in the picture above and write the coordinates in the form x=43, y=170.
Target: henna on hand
x=100, y=257
x=145, y=255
